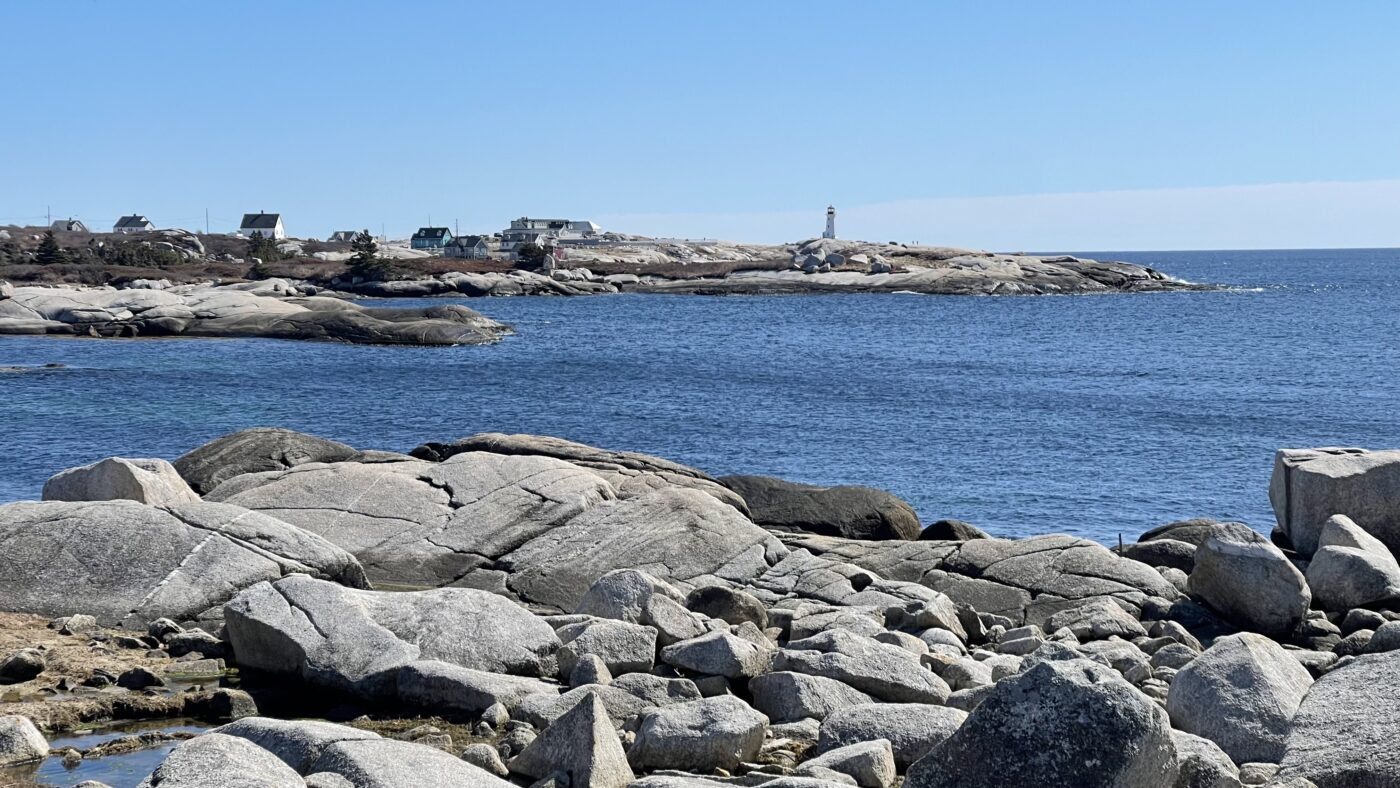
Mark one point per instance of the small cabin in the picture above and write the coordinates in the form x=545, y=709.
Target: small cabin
x=135, y=223
x=68, y=226
x=468, y=247
x=431, y=238
x=342, y=236
x=268, y=224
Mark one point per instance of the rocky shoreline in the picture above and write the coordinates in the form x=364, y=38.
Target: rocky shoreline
x=557, y=614
x=270, y=309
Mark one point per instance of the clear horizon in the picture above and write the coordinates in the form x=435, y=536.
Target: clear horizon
x=1089, y=126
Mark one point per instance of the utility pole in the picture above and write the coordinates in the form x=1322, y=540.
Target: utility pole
x=456, y=228
x=48, y=211
x=383, y=236
x=206, y=221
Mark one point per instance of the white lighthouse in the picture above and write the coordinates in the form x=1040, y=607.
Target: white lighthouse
x=830, y=231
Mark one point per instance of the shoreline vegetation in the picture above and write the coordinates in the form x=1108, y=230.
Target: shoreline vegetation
x=174, y=283
x=509, y=609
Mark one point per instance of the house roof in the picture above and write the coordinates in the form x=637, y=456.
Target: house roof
x=431, y=232
x=134, y=220
x=260, y=221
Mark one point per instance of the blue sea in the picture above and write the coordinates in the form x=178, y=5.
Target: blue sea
x=1089, y=415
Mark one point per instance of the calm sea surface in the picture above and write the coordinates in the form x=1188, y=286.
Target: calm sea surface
x=1091, y=415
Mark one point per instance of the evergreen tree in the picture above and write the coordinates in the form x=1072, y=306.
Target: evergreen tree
x=366, y=262
x=531, y=255
x=49, y=251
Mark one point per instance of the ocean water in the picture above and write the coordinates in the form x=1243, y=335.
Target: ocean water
x=1090, y=415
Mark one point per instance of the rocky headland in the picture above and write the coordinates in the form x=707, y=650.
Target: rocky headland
x=270, y=309
x=819, y=266
x=523, y=610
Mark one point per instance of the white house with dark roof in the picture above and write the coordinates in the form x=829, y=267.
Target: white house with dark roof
x=269, y=224
x=68, y=226
x=135, y=223
x=342, y=236
x=546, y=232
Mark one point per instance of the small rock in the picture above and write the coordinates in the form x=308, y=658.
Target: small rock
x=21, y=666
x=484, y=756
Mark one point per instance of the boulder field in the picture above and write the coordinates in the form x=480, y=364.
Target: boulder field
x=270, y=309
x=606, y=618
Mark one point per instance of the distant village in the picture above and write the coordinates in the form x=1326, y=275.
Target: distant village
x=553, y=235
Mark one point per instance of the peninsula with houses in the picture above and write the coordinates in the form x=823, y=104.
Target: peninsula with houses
x=66, y=279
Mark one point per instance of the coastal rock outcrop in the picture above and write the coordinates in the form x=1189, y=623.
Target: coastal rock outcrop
x=257, y=450
x=356, y=641
x=1310, y=485
x=233, y=311
x=849, y=511
x=630, y=473
x=150, y=481
x=1025, y=580
x=124, y=561
x=539, y=528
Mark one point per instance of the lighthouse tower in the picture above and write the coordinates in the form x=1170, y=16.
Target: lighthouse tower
x=830, y=231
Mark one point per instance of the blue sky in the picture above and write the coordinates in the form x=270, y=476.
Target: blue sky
x=1075, y=125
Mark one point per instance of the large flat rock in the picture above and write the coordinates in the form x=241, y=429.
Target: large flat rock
x=231, y=311
x=124, y=561
x=356, y=641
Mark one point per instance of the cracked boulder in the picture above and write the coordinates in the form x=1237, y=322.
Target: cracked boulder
x=1310, y=485
x=1026, y=580
x=631, y=473
x=356, y=641
x=537, y=528
x=126, y=562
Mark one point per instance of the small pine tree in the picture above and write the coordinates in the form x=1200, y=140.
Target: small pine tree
x=49, y=251
x=366, y=262
x=531, y=255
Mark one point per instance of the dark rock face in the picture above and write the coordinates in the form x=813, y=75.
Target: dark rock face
x=255, y=451
x=952, y=531
x=847, y=511
x=1192, y=532
x=1059, y=723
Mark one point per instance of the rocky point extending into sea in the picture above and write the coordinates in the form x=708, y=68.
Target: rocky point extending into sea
x=524, y=610
x=306, y=309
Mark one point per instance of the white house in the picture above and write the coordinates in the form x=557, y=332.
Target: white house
x=545, y=232
x=269, y=224
x=135, y=223
x=68, y=226
x=342, y=236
